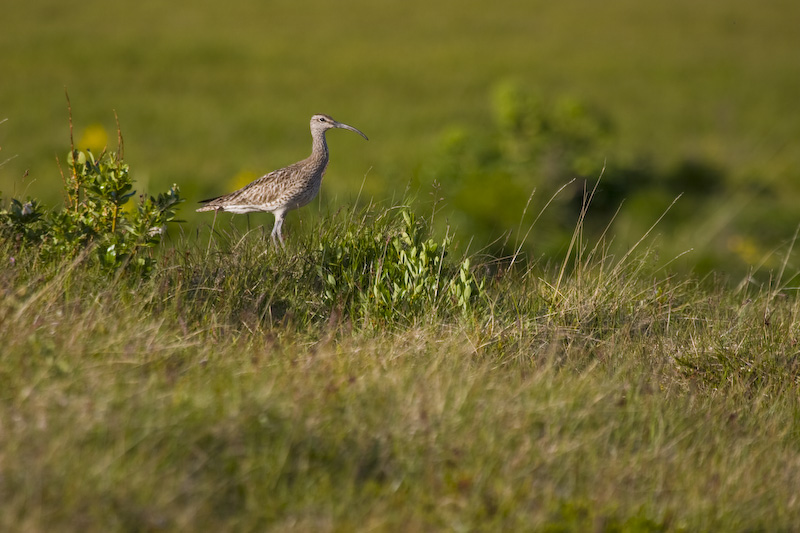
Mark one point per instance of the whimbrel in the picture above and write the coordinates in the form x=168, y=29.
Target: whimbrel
x=287, y=188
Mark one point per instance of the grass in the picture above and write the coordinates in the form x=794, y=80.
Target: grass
x=225, y=392
x=210, y=96
x=205, y=92
x=380, y=374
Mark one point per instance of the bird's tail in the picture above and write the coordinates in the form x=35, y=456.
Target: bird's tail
x=210, y=207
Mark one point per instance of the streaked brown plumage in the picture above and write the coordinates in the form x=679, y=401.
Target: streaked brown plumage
x=287, y=188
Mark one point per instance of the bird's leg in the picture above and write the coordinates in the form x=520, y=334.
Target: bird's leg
x=277, y=236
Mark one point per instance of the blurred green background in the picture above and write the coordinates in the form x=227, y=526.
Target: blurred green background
x=477, y=104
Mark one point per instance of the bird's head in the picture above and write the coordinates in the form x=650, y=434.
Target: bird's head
x=321, y=123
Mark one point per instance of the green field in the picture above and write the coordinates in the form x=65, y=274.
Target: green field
x=210, y=95
x=453, y=339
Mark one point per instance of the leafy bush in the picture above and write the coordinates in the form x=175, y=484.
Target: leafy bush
x=533, y=162
x=533, y=145
x=95, y=215
x=392, y=271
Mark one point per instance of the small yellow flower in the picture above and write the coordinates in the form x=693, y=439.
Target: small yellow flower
x=94, y=138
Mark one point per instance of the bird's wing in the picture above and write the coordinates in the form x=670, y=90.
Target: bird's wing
x=259, y=191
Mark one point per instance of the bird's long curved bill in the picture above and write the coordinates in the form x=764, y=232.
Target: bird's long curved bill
x=351, y=128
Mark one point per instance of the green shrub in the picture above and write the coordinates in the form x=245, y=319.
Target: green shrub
x=95, y=216
x=533, y=163
x=393, y=270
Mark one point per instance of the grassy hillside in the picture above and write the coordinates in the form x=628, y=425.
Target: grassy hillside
x=238, y=388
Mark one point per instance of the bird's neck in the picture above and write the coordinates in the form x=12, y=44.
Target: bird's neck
x=319, y=148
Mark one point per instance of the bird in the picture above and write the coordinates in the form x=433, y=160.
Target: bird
x=287, y=188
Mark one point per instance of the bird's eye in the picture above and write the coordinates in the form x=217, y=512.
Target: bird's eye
x=322, y=119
